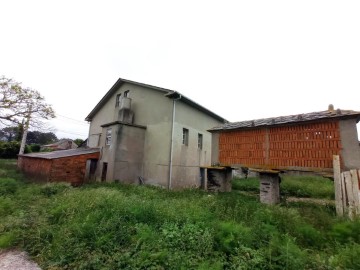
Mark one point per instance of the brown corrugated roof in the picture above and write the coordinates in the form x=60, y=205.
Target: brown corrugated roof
x=281, y=120
x=62, y=153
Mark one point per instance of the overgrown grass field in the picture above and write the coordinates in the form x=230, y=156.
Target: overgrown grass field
x=113, y=226
x=297, y=186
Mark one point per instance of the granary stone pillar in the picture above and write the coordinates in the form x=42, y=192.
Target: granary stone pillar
x=269, y=188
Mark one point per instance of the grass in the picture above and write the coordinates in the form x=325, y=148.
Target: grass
x=114, y=226
x=297, y=186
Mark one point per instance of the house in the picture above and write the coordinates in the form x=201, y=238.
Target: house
x=60, y=166
x=303, y=142
x=63, y=144
x=150, y=135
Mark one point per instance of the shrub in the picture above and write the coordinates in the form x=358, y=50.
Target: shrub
x=247, y=258
x=7, y=239
x=283, y=253
x=51, y=189
x=346, y=231
x=230, y=235
x=35, y=147
x=347, y=257
x=8, y=186
x=11, y=149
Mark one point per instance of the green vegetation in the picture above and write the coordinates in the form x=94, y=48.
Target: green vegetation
x=298, y=186
x=11, y=149
x=114, y=226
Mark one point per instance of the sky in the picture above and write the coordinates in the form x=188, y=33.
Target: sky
x=241, y=59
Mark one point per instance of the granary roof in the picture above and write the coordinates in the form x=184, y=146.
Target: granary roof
x=62, y=153
x=167, y=92
x=297, y=118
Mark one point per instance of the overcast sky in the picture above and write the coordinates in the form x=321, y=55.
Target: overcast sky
x=241, y=59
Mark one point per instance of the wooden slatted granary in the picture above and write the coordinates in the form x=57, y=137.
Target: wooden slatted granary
x=304, y=142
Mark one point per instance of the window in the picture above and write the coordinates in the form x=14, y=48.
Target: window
x=118, y=98
x=200, y=141
x=126, y=93
x=108, y=136
x=185, y=138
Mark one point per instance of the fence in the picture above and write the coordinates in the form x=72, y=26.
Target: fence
x=347, y=200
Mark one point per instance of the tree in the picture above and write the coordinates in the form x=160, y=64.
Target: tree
x=78, y=141
x=38, y=137
x=13, y=133
x=18, y=103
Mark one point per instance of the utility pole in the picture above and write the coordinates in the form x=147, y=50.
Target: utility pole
x=25, y=132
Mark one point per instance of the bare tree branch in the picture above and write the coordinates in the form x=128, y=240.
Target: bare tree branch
x=17, y=102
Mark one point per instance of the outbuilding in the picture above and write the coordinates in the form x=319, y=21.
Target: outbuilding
x=303, y=142
x=72, y=166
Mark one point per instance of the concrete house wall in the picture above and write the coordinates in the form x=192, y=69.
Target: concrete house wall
x=188, y=159
x=151, y=109
x=124, y=155
x=153, y=118
x=350, y=151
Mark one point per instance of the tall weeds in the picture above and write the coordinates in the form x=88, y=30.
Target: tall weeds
x=114, y=226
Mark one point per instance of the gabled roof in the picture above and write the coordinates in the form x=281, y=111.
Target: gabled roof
x=297, y=118
x=62, y=153
x=167, y=92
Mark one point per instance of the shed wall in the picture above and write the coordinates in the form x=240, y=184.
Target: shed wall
x=70, y=169
x=67, y=169
x=309, y=145
x=37, y=169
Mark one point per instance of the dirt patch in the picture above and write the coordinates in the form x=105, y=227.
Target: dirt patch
x=16, y=260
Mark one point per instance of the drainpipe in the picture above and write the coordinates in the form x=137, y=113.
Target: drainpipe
x=172, y=141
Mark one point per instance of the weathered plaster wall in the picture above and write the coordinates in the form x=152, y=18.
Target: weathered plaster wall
x=187, y=159
x=215, y=148
x=153, y=110
x=350, y=152
x=129, y=154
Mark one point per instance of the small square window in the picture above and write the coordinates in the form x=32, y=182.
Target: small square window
x=200, y=141
x=108, y=136
x=185, y=138
x=126, y=93
x=118, y=98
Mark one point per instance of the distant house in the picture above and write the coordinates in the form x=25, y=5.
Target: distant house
x=63, y=144
x=303, y=142
x=60, y=166
x=150, y=135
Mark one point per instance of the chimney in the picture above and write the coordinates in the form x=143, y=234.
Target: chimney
x=125, y=114
x=331, y=108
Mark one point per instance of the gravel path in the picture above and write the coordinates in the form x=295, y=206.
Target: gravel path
x=16, y=260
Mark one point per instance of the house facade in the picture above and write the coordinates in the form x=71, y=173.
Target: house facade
x=150, y=135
